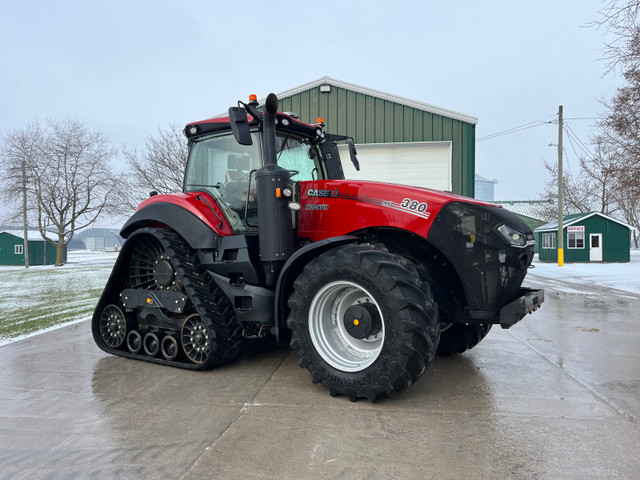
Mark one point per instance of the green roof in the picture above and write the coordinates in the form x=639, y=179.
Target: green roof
x=575, y=218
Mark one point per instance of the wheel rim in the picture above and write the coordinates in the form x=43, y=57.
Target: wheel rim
x=150, y=267
x=196, y=339
x=329, y=334
x=151, y=344
x=134, y=341
x=169, y=347
x=113, y=326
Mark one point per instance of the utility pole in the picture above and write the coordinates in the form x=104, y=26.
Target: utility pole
x=560, y=241
x=24, y=215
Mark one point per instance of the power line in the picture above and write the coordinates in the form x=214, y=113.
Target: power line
x=571, y=135
x=529, y=125
x=519, y=128
x=583, y=145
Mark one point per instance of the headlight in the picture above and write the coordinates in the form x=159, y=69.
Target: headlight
x=512, y=236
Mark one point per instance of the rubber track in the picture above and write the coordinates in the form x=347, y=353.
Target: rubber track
x=208, y=301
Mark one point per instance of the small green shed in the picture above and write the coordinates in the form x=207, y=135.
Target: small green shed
x=588, y=237
x=12, y=249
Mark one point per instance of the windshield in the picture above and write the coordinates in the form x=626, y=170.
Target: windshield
x=296, y=153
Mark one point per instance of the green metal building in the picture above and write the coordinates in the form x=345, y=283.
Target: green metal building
x=399, y=140
x=12, y=250
x=588, y=237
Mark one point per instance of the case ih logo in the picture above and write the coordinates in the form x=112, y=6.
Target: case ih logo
x=322, y=193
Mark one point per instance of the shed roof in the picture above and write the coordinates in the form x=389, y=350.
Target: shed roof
x=36, y=237
x=534, y=209
x=378, y=94
x=575, y=218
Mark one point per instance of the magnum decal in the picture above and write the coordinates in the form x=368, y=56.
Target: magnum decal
x=408, y=205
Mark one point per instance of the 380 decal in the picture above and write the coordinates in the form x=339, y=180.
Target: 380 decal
x=414, y=205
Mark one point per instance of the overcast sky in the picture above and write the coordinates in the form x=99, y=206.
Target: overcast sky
x=128, y=68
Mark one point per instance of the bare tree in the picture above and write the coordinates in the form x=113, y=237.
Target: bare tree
x=575, y=199
x=18, y=151
x=594, y=188
x=61, y=178
x=620, y=126
x=161, y=164
x=620, y=19
x=600, y=179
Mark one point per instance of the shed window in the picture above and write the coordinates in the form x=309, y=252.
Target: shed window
x=575, y=240
x=18, y=249
x=549, y=240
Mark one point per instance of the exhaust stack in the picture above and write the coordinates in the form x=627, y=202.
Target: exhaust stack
x=274, y=217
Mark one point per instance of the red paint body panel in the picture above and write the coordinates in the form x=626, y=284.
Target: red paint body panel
x=199, y=208
x=337, y=207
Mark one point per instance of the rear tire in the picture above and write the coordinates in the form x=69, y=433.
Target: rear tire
x=456, y=338
x=363, y=322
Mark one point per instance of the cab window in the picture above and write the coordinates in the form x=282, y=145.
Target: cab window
x=221, y=167
x=295, y=153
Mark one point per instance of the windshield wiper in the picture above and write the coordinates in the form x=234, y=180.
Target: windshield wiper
x=284, y=144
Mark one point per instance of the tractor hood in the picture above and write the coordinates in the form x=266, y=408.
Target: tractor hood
x=337, y=207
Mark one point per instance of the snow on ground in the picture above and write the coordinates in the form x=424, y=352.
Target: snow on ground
x=40, y=295
x=582, y=276
x=621, y=276
x=75, y=258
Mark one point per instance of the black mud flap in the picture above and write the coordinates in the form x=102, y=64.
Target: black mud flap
x=528, y=301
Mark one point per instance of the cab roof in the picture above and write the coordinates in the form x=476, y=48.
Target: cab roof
x=284, y=121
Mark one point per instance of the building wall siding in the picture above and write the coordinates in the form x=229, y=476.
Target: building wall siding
x=373, y=120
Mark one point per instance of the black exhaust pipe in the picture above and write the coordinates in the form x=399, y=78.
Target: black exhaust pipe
x=274, y=217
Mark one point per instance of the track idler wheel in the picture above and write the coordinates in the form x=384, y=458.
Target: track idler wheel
x=197, y=340
x=151, y=344
x=113, y=326
x=169, y=347
x=134, y=341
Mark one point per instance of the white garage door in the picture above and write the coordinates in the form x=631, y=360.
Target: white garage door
x=424, y=164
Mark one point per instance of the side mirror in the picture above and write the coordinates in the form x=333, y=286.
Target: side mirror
x=352, y=154
x=240, y=125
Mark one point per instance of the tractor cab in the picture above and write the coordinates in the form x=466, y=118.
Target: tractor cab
x=225, y=153
x=225, y=169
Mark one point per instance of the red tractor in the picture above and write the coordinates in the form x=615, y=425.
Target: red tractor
x=368, y=281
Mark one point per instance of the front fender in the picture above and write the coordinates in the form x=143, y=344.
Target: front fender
x=294, y=266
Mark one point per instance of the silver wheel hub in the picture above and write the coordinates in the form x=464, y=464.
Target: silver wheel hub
x=328, y=331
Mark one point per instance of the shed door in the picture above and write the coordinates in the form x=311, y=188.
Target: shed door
x=595, y=247
x=423, y=164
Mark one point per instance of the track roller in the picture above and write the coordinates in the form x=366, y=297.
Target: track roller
x=134, y=341
x=151, y=344
x=169, y=347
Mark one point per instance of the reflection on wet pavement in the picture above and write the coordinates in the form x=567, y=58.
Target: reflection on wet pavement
x=556, y=396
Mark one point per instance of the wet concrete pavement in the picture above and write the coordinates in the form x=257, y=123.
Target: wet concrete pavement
x=557, y=396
